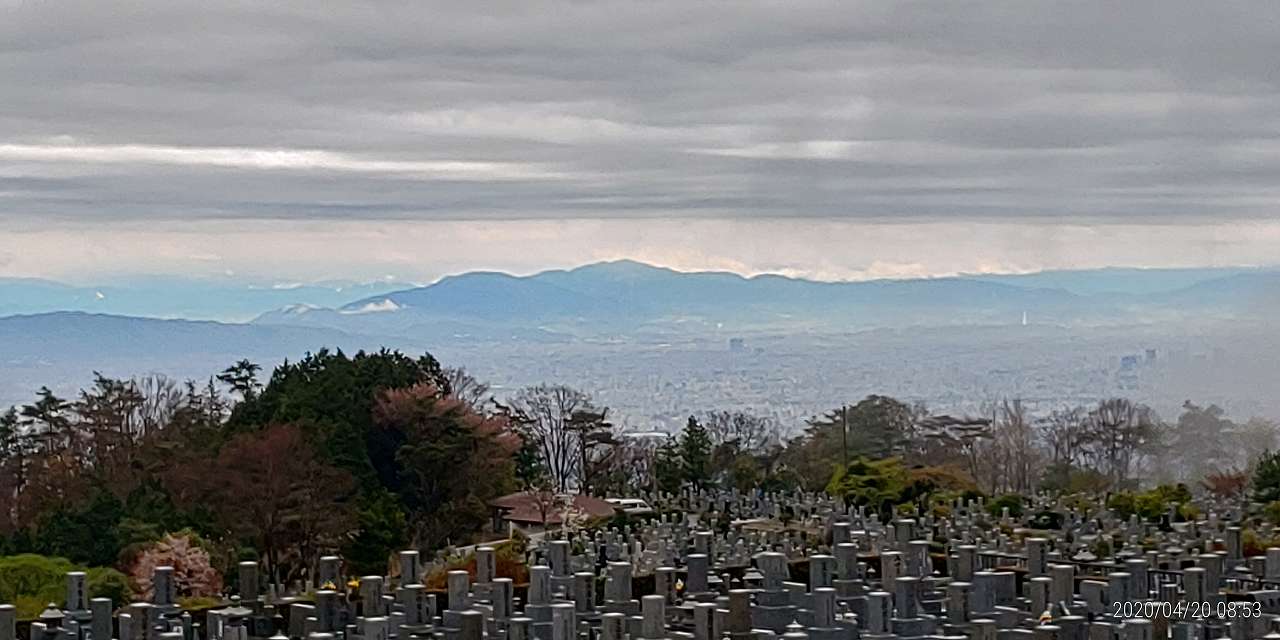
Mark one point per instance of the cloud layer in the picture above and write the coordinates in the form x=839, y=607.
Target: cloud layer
x=1138, y=113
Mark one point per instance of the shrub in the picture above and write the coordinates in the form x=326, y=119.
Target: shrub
x=1123, y=503
x=1150, y=504
x=1012, y=501
x=105, y=582
x=1046, y=520
x=32, y=581
x=508, y=563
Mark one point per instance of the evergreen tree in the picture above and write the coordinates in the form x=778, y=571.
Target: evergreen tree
x=668, y=468
x=10, y=437
x=1266, y=477
x=695, y=453
x=49, y=421
x=530, y=472
x=242, y=377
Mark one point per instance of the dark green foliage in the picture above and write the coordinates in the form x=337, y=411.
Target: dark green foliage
x=1150, y=505
x=878, y=427
x=382, y=530
x=87, y=534
x=31, y=581
x=668, y=467
x=332, y=396
x=695, y=453
x=105, y=582
x=1011, y=501
x=1064, y=477
x=242, y=377
x=530, y=472
x=1046, y=520
x=1266, y=477
x=878, y=484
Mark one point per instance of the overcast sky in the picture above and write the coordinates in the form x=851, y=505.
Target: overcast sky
x=840, y=140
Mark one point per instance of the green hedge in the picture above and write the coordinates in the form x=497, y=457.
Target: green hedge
x=31, y=582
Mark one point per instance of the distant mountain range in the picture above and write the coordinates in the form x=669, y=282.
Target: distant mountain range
x=176, y=297
x=62, y=349
x=476, y=317
x=627, y=297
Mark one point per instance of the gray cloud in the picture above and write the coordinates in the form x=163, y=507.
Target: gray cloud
x=1100, y=112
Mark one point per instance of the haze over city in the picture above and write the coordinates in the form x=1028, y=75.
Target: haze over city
x=363, y=176
x=639, y=320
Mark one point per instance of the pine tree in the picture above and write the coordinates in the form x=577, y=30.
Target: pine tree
x=1266, y=477
x=668, y=468
x=695, y=453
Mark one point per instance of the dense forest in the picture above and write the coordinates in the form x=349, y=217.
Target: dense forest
x=366, y=454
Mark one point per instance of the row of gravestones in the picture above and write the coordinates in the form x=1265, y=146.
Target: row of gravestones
x=955, y=576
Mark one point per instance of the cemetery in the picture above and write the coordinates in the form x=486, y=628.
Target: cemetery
x=722, y=564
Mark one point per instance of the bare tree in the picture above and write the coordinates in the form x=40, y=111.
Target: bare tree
x=162, y=398
x=963, y=437
x=1016, y=433
x=1120, y=432
x=747, y=433
x=546, y=413
x=1008, y=459
x=466, y=388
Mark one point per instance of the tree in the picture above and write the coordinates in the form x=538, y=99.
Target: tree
x=1063, y=434
x=594, y=436
x=331, y=396
x=1120, y=432
x=109, y=413
x=1227, y=485
x=466, y=388
x=738, y=442
x=546, y=413
x=1202, y=442
x=451, y=463
x=668, y=467
x=877, y=427
x=630, y=466
x=14, y=456
x=242, y=377
x=878, y=484
x=1014, y=451
x=744, y=432
x=1266, y=477
x=530, y=471
x=695, y=453
x=49, y=422
x=193, y=571
x=271, y=488
x=1255, y=436
x=955, y=439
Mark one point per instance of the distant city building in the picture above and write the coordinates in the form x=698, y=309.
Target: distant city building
x=1151, y=356
x=737, y=344
x=1127, y=376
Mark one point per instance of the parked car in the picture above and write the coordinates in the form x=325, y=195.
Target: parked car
x=631, y=507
